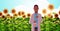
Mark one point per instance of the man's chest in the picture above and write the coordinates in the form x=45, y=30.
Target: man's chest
x=36, y=17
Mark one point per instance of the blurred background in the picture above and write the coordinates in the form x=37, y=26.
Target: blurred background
x=15, y=14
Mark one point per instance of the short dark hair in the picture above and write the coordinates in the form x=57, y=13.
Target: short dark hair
x=35, y=5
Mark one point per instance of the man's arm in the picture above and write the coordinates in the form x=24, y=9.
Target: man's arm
x=31, y=19
x=40, y=18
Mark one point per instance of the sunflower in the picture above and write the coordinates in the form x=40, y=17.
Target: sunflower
x=59, y=12
x=5, y=11
x=3, y=16
x=0, y=13
x=56, y=15
x=15, y=15
x=50, y=16
x=44, y=11
x=19, y=13
x=22, y=13
x=24, y=16
x=45, y=16
x=28, y=15
x=50, y=6
x=11, y=17
x=13, y=11
x=8, y=15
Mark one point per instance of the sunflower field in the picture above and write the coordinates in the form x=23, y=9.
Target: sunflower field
x=20, y=21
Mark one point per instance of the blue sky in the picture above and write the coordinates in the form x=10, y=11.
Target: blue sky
x=9, y=4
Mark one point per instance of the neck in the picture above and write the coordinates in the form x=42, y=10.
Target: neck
x=36, y=12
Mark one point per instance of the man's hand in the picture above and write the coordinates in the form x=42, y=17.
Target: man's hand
x=34, y=23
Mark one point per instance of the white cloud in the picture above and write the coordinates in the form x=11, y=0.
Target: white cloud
x=28, y=5
x=56, y=10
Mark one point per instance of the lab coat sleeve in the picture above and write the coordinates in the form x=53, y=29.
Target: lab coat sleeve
x=40, y=17
x=31, y=19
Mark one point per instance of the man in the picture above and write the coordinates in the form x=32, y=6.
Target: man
x=35, y=19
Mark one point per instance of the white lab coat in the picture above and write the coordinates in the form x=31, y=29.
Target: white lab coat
x=32, y=21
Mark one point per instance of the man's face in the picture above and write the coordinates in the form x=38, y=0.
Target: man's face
x=36, y=9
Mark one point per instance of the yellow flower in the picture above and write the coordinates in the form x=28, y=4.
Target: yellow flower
x=45, y=16
x=28, y=15
x=22, y=13
x=5, y=11
x=44, y=11
x=24, y=16
x=0, y=13
x=3, y=16
x=13, y=11
x=59, y=12
x=50, y=6
x=15, y=15
x=11, y=17
x=8, y=15
x=56, y=15
x=50, y=16
x=19, y=13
